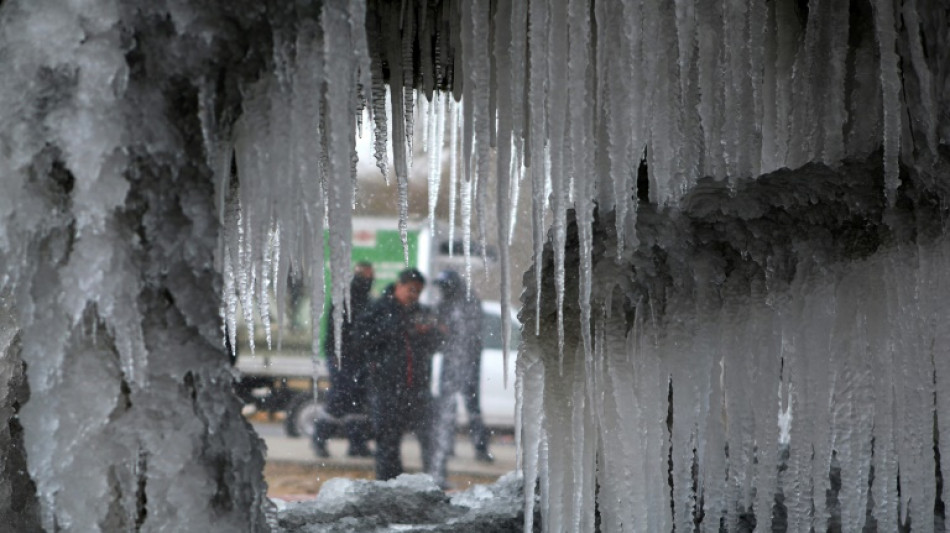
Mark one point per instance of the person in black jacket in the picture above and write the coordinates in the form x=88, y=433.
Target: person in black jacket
x=398, y=337
x=346, y=398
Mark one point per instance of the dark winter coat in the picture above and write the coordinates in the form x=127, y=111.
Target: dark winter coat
x=399, y=357
x=348, y=381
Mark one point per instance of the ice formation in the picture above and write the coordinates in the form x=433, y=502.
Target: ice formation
x=410, y=502
x=161, y=157
x=108, y=232
x=634, y=112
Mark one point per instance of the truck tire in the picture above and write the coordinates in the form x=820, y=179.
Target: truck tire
x=301, y=414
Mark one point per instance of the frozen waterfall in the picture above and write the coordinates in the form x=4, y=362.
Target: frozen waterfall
x=736, y=311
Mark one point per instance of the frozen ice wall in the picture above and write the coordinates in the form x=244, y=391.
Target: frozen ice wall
x=762, y=359
x=125, y=419
x=163, y=160
x=17, y=492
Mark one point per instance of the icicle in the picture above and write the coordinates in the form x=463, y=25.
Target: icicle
x=891, y=89
x=434, y=149
x=264, y=288
x=425, y=110
x=281, y=272
x=361, y=50
x=400, y=156
x=580, y=136
x=468, y=100
x=408, y=32
x=911, y=19
x=479, y=188
x=580, y=500
x=246, y=281
x=530, y=373
x=518, y=72
x=537, y=46
x=338, y=35
x=477, y=105
x=467, y=232
x=501, y=54
x=453, y=168
x=229, y=307
x=557, y=48
x=517, y=174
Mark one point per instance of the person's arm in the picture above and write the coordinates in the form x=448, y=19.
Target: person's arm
x=368, y=333
x=427, y=331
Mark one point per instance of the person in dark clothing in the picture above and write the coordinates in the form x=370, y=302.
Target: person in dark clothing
x=460, y=313
x=346, y=398
x=398, y=337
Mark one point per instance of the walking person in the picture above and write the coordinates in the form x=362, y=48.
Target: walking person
x=347, y=396
x=460, y=314
x=398, y=337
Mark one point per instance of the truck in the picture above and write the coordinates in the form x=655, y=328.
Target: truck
x=281, y=382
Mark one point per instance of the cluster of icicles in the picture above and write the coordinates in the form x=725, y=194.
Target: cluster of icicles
x=826, y=403
x=565, y=98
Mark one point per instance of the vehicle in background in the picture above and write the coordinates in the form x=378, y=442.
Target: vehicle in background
x=282, y=382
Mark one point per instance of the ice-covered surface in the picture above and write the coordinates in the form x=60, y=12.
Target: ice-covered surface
x=410, y=502
x=122, y=119
x=107, y=239
x=18, y=505
x=772, y=355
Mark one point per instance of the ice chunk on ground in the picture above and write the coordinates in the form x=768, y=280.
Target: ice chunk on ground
x=410, y=502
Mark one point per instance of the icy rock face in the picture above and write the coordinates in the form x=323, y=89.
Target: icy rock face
x=107, y=236
x=772, y=356
x=410, y=502
x=18, y=505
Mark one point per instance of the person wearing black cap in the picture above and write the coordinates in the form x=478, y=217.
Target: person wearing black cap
x=398, y=338
x=460, y=312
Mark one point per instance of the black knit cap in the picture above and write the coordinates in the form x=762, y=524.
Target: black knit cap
x=411, y=274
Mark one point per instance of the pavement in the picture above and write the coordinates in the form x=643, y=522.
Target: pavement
x=296, y=450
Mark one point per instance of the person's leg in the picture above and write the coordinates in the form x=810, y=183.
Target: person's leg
x=388, y=461
x=356, y=422
x=443, y=434
x=476, y=426
x=357, y=431
x=322, y=429
x=420, y=422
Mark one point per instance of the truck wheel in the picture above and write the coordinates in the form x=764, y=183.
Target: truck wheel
x=301, y=414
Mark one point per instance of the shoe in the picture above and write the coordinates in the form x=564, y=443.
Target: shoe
x=483, y=456
x=321, y=450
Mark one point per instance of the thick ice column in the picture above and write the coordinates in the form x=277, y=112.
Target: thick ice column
x=109, y=230
x=18, y=503
x=108, y=454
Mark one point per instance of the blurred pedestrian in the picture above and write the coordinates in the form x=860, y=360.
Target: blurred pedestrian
x=347, y=397
x=399, y=337
x=460, y=314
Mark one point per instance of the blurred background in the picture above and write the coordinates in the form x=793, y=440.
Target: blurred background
x=283, y=387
